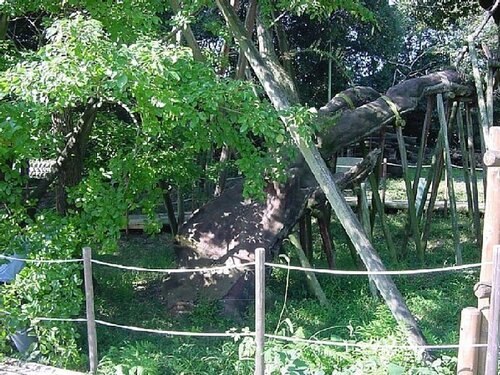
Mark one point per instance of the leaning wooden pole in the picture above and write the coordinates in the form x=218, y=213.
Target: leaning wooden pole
x=449, y=180
x=423, y=143
x=412, y=211
x=465, y=158
x=473, y=176
x=491, y=238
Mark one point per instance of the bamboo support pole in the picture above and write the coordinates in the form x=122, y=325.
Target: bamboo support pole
x=469, y=336
x=260, y=280
x=491, y=238
x=473, y=176
x=493, y=328
x=409, y=194
x=89, y=305
x=451, y=188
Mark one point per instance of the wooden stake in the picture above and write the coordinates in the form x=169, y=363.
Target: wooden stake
x=465, y=158
x=423, y=143
x=473, y=176
x=436, y=181
x=451, y=189
x=409, y=195
x=381, y=211
x=383, y=182
x=364, y=211
x=491, y=238
x=483, y=113
x=469, y=336
x=260, y=307
x=493, y=328
x=312, y=281
x=89, y=303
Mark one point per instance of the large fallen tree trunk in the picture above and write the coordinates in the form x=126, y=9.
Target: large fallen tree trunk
x=229, y=229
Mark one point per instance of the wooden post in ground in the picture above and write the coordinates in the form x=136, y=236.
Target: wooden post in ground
x=469, y=336
x=383, y=181
x=473, y=175
x=449, y=180
x=423, y=143
x=89, y=304
x=311, y=279
x=412, y=212
x=493, y=329
x=465, y=158
x=491, y=238
x=260, y=289
x=383, y=222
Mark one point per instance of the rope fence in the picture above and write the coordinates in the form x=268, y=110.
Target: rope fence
x=259, y=334
x=428, y=166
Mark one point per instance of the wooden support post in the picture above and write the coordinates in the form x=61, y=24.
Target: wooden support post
x=493, y=328
x=323, y=216
x=451, y=189
x=483, y=113
x=436, y=180
x=423, y=142
x=364, y=218
x=89, y=304
x=482, y=138
x=312, y=281
x=383, y=181
x=473, y=176
x=469, y=336
x=412, y=213
x=260, y=298
x=364, y=211
x=305, y=228
x=492, y=158
x=381, y=211
x=491, y=238
x=465, y=158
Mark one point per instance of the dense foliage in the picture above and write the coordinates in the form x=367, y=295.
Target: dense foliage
x=108, y=91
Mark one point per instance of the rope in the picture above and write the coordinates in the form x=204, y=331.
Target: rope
x=428, y=166
x=400, y=122
x=176, y=333
x=41, y=260
x=369, y=346
x=269, y=336
x=174, y=270
x=396, y=273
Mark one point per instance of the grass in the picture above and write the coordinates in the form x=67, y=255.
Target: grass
x=396, y=187
x=436, y=300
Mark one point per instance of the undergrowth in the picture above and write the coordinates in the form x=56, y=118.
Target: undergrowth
x=353, y=315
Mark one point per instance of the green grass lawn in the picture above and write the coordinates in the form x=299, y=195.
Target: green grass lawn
x=133, y=298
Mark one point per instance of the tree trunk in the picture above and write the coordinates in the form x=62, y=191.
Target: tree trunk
x=229, y=229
